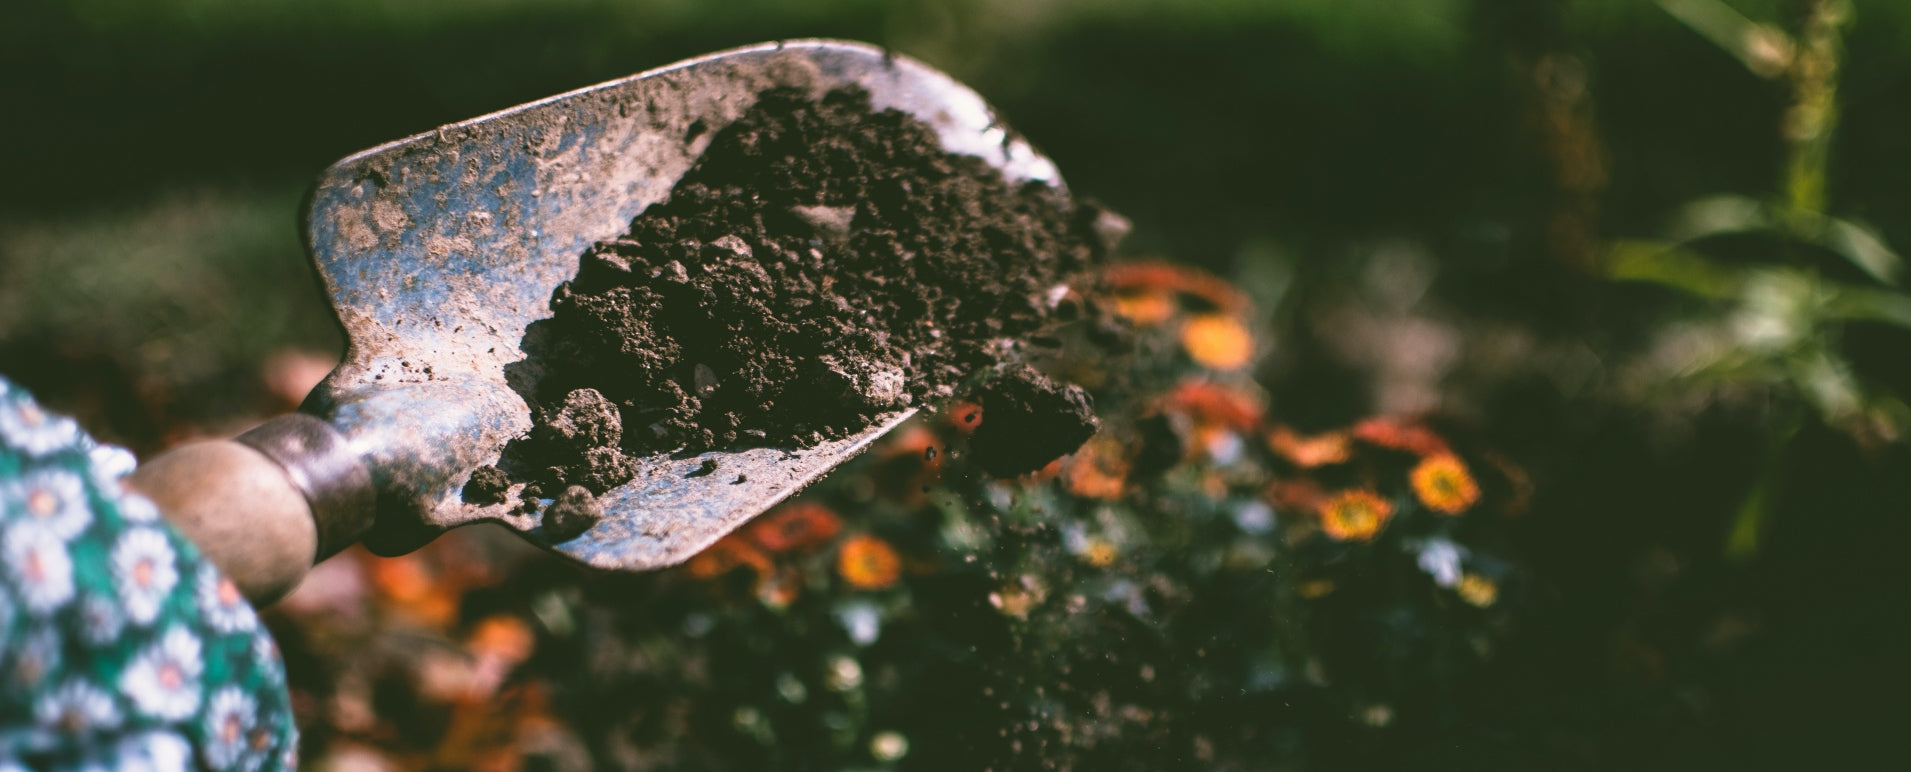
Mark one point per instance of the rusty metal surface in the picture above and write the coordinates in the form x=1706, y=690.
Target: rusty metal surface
x=439, y=249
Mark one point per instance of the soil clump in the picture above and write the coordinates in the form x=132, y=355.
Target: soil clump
x=1029, y=420
x=822, y=264
x=486, y=486
x=573, y=513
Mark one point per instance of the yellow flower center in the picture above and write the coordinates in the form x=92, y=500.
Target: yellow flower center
x=42, y=502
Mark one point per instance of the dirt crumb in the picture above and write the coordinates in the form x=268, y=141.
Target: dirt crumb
x=487, y=485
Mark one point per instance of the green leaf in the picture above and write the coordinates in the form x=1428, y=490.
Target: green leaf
x=1741, y=543
x=1864, y=248
x=1868, y=304
x=1670, y=265
x=1721, y=215
x=1762, y=48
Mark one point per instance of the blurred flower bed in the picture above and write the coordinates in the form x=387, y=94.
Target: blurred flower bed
x=1200, y=584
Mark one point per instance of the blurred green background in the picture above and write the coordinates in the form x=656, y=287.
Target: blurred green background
x=1506, y=213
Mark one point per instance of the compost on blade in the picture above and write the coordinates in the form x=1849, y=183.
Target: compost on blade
x=822, y=264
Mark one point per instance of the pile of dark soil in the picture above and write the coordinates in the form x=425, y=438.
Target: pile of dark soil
x=822, y=264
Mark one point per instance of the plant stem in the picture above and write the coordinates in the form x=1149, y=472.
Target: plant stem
x=1812, y=114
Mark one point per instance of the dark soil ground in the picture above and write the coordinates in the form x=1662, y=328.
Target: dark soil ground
x=822, y=264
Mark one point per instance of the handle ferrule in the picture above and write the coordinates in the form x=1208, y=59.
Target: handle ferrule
x=335, y=481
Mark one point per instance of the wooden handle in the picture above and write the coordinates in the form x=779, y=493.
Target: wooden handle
x=267, y=506
x=240, y=508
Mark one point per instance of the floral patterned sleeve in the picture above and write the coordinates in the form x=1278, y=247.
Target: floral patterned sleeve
x=120, y=647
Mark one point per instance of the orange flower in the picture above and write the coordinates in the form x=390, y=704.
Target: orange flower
x=1100, y=553
x=1443, y=484
x=1099, y=471
x=1209, y=403
x=1478, y=590
x=868, y=563
x=403, y=579
x=1354, y=515
x=1316, y=588
x=504, y=638
x=914, y=442
x=1217, y=342
x=1145, y=308
x=728, y=554
x=799, y=525
x=910, y=460
x=1014, y=601
x=1310, y=452
x=412, y=588
x=1400, y=434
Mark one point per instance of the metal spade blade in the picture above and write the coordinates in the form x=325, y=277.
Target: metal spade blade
x=439, y=249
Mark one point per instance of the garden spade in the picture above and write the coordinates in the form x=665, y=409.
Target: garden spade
x=438, y=250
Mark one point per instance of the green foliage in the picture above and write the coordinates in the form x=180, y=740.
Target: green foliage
x=1776, y=314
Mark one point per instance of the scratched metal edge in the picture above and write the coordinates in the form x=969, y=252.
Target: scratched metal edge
x=626, y=540
x=797, y=44
x=495, y=413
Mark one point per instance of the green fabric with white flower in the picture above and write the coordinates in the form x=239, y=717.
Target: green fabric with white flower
x=120, y=647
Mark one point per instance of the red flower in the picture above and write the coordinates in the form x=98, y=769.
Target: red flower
x=728, y=554
x=1216, y=405
x=799, y=525
x=1400, y=434
x=1154, y=277
x=1309, y=452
